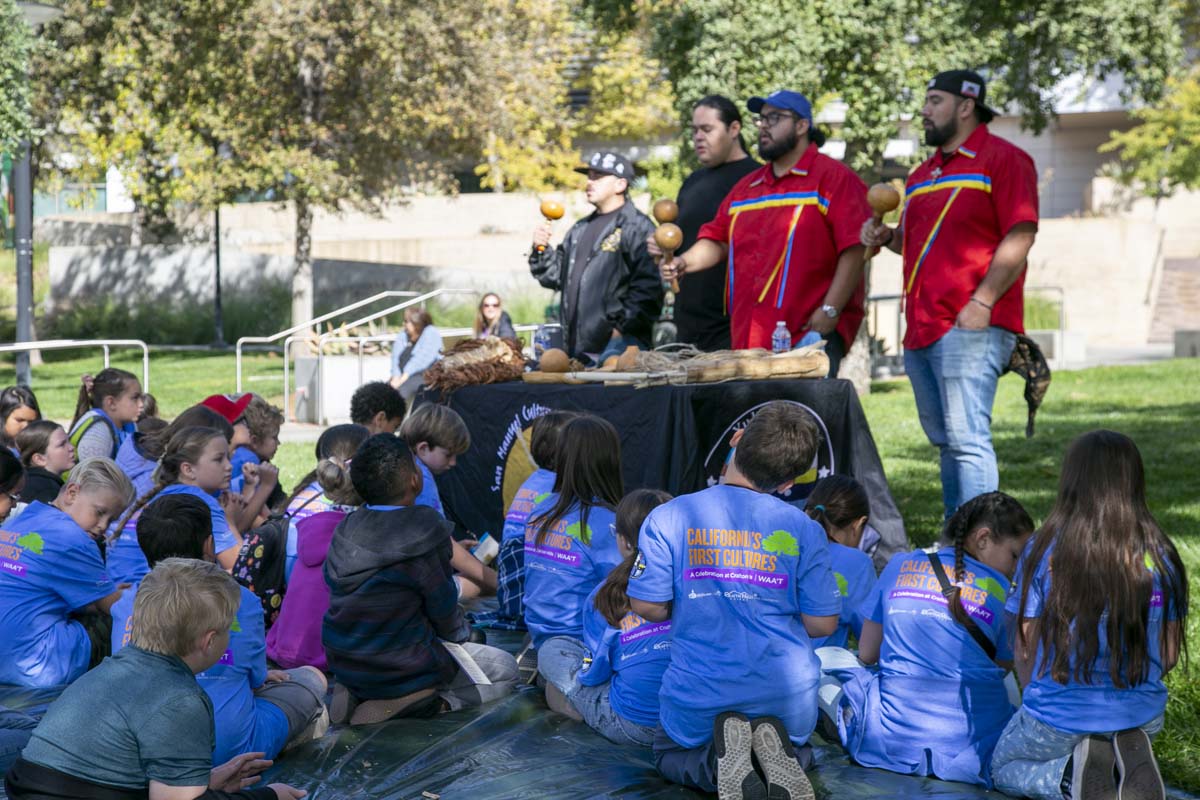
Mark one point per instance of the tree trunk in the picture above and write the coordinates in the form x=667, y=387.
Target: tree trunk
x=302, y=277
x=856, y=365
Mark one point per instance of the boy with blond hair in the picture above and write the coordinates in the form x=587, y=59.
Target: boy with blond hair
x=139, y=725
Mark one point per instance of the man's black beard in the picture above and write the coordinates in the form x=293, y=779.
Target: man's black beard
x=936, y=137
x=777, y=149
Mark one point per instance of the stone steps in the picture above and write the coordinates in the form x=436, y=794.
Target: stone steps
x=1177, y=306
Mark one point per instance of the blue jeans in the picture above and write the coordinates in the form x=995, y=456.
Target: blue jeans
x=15, y=730
x=1031, y=756
x=559, y=659
x=954, y=383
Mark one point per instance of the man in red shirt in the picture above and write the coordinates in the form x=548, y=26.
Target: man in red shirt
x=789, y=233
x=970, y=217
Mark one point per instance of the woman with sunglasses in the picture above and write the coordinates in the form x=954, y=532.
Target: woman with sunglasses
x=492, y=319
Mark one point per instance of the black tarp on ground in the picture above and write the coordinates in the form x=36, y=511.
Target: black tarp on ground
x=672, y=437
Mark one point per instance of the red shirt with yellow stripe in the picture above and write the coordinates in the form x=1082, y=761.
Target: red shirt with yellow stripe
x=957, y=209
x=784, y=236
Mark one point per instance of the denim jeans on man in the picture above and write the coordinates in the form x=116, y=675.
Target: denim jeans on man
x=954, y=383
x=559, y=660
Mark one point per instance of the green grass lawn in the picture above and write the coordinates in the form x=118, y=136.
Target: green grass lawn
x=1157, y=405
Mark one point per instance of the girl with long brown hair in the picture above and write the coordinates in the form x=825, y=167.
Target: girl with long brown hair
x=1101, y=599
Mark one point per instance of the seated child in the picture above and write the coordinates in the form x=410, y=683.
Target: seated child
x=195, y=462
x=840, y=504
x=108, y=408
x=338, y=443
x=938, y=701
x=570, y=547
x=12, y=482
x=393, y=601
x=510, y=561
x=139, y=725
x=295, y=638
x=264, y=421
x=377, y=407
x=611, y=680
x=1099, y=578
x=138, y=455
x=254, y=709
x=18, y=408
x=233, y=408
x=47, y=455
x=50, y=569
x=745, y=579
x=437, y=436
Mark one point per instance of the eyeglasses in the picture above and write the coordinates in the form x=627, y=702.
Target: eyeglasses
x=772, y=119
x=491, y=305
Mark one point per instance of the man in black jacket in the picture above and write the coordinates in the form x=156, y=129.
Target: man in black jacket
x=611, y=290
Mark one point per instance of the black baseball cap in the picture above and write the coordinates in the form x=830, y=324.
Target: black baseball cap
x=608, y=163
x=964, y=83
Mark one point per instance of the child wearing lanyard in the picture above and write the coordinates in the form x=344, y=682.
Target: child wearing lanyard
x=108, y=409
x=936, y=626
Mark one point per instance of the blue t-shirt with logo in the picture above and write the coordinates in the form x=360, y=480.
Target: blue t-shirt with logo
x=739, y=567
x=243, y=723
x=564, y=568
x=1096, y=706
x=937, y=704
x=126, y=561
x=49, y=567
x=633, y=657
x=241, y=456
x=855, y=577
x=429, y=492
x=536, y=488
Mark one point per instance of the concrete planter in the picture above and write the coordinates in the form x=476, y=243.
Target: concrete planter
x=341, y=376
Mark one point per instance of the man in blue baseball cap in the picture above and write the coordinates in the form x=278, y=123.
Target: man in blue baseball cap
x=789, y=234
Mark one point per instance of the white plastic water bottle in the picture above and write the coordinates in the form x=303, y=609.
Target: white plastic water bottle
x=781, y=339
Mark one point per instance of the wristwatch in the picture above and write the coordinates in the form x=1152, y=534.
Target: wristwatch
x=830, y=311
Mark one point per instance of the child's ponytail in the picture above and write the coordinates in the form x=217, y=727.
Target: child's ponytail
x=338, y=442
x=612, y=600
x=836, y=502
x=998, y=512
x=108, y=382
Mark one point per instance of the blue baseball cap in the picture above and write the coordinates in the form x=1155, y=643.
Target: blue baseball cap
x=792, y=101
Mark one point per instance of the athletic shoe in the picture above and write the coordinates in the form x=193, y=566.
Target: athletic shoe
x=736, y=778
x=375, y=711
x=1137, y=769
x=773, y=749
x=1092, y=775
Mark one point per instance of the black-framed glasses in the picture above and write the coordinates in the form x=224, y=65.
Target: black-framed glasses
x=772, y=119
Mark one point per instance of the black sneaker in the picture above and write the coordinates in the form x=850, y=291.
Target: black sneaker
x=1137, y=769
x=736, y=778
x=1092, y=776
x=773, y=749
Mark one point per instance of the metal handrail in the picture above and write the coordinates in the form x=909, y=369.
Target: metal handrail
x=329, y=338
x=306, y=325
x=71, y=344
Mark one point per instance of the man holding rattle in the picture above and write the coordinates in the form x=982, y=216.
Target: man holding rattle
x=970, y=217
x=789, y=234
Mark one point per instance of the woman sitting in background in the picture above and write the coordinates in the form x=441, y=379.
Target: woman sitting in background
x=416, y=349
x=493, y=320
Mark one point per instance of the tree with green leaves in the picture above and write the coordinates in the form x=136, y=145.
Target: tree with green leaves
x=1162, y=153
x=15, y=48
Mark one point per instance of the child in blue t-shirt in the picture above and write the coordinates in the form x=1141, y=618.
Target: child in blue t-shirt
x=537, y=488
x=745, y=579
x=611, y=680
x=196, y=462
x=106, y=414
x=569, y=543
x=1099, y=577
x=935, y=624
x=53, y=587
x=264, y=421
x=840, y=504
x=437, y=436
x=255, y=710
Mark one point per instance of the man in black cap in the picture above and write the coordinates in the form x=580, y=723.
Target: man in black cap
x=970, y=217
x=611, y=291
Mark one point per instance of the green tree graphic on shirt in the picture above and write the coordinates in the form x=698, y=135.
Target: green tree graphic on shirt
x=781, y=542
x=842, y=584
x=992, y=587
x=32, y=542
x=577, y=530
x=539, y=498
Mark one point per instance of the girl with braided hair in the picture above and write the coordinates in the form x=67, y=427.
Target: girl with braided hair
x=936, y=626
x=195, y=461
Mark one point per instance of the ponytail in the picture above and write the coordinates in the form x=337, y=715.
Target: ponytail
x=836, y=502
x=108, y=382
x=998, y=512
x=338, y=442
x=612, y=599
